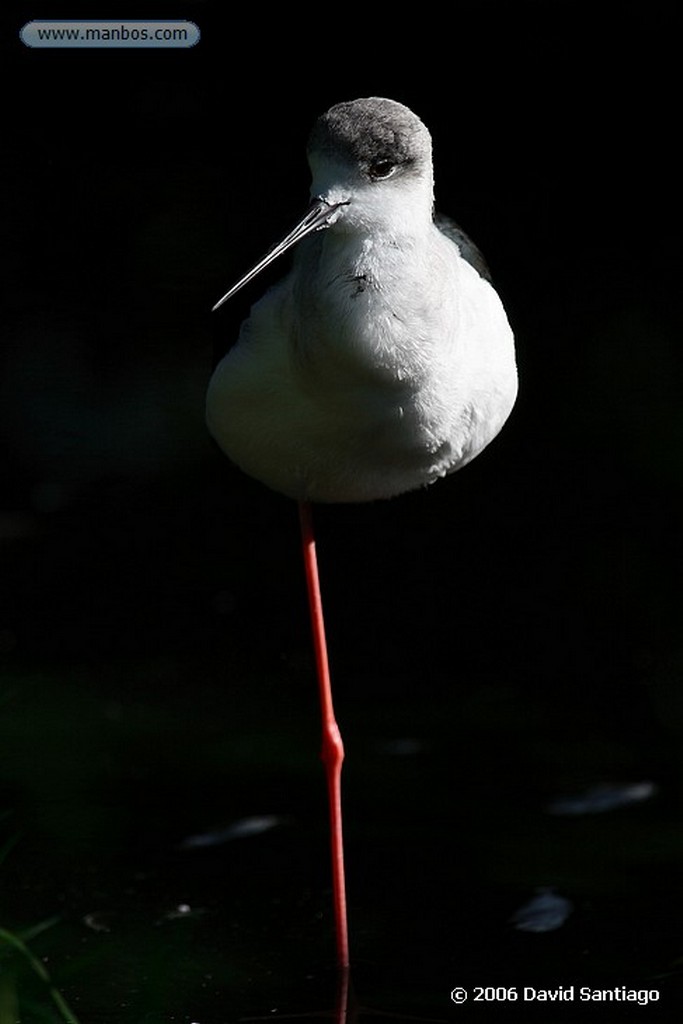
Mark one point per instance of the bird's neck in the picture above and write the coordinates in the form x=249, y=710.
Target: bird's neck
x=365, y=303
x=381, y=252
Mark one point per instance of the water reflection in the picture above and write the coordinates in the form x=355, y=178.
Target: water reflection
x=243, y=828
x=545, y=912
x=603, y=797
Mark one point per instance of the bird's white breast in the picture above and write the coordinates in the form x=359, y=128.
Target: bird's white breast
x=372, y=369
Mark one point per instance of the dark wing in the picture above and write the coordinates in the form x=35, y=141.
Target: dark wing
x=468, y=250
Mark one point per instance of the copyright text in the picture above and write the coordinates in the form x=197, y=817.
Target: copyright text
x=562, y=994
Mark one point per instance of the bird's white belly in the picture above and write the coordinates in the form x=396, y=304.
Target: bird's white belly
x=300, y=449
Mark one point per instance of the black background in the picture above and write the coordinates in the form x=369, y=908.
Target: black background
x=522, y=617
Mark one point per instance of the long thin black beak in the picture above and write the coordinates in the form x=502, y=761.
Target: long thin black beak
x=317, y=218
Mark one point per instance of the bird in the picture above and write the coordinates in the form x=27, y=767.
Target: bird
x=382, y=362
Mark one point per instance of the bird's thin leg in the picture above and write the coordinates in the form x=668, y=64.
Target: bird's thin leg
x=332, y=747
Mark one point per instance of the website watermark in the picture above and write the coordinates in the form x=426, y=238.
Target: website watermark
x=176, y=34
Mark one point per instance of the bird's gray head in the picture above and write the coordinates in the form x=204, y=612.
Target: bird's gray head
x=378, y=137
x=374, y=157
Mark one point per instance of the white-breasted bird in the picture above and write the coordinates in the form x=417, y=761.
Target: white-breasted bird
x=384, y=359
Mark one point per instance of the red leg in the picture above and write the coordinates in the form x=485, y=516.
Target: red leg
x=332, y=747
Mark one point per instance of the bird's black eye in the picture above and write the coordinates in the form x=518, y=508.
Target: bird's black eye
x=381, y=169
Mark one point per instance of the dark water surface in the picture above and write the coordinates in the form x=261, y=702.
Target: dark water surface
x=169, y=805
